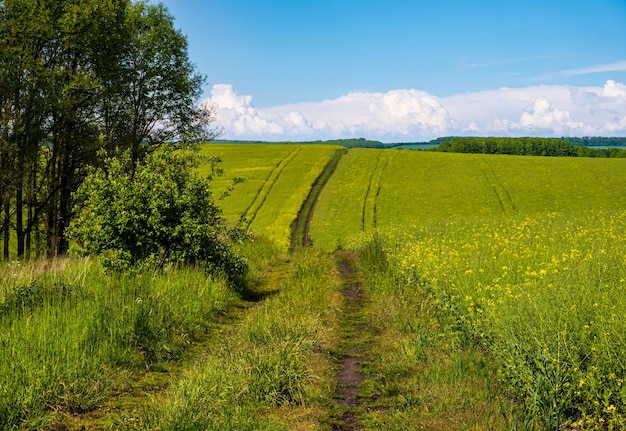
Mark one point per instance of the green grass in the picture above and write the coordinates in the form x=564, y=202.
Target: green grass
x=253, y=162
x=544, y=295
x=524, y=253
x=270, y=372
x=339, y=209
x=375, y=187
x=300, y=226
x=494, y=294
x=279, y=178
x=69, y=332
x=422, y=373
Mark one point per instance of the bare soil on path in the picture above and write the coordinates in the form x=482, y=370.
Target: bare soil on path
x=354, y=342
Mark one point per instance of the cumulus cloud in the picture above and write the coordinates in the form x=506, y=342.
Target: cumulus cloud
x=414, y=115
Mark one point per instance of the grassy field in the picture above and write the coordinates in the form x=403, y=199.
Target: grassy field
x=70, y=334
x=391, y=188
x=526, y=252
x=543, y=294
x=278, y=180
x=493, y=298
x=272, y=371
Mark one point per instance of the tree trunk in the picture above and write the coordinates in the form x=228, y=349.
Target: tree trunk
x=19, y=217
x=7, y=228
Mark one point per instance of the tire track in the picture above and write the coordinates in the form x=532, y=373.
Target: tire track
x=369, y=216
x=267, y=186
x=380, y=182
x=504, y=198
x=300, y=227
x=354, y=334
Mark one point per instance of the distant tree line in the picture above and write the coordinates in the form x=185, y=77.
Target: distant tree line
x=474, y=142
x=525, y=147
x=347, y=143
x=78, y=76
x=597, y=141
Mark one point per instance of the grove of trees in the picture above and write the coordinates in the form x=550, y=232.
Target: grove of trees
x=528, y=146
x=77, y=77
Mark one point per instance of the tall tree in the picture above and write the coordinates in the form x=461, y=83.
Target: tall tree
x=77, y=75
x=151, y=99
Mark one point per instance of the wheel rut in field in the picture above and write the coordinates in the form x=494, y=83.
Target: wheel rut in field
x=300, y=226
x=354, y=350
x=504, y=198
x=251, y=212
x=369, y=216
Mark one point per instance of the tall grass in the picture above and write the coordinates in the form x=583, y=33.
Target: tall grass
x=68, y=331
x=422, y=372
x=268, y=370
x=545, y=295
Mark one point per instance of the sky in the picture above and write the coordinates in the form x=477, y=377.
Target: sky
x=409, y=71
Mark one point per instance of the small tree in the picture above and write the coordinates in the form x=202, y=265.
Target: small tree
x=162, y=213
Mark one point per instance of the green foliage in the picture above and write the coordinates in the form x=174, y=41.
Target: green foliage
x=596, y=141
x=77, y=76
x=564, y=147
x=159, y=212
x=69, y=333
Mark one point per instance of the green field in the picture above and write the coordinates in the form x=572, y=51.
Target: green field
x=278, y=180
x=374, y=188
x=493, y=298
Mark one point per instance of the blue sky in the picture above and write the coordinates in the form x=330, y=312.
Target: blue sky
x=275, y=67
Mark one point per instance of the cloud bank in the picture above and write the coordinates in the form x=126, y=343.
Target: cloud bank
x=411, y=115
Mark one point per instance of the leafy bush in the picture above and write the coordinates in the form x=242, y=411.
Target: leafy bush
x=156, y=213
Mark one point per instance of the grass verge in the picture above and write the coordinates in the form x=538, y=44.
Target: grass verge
x=79, y=347
x=273, y=371
x=423, y=374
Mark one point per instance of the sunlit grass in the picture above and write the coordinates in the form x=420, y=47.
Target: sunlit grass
x=279, y=178
x=67, y=330
x=422, y=373
x=268, y=370
x=416, y=187
x=544, y=294
x=339, y=209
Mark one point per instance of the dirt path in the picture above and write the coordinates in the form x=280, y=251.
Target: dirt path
x=354, y=344
x=300, y=226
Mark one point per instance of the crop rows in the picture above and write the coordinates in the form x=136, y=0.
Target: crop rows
x=279, y=178
x=370, y=204
x=417, y=187
x=265, y=190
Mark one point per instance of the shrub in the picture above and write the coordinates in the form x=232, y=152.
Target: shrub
x=156, y=213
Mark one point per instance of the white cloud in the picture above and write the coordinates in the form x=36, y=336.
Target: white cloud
x=614, y=89
x=618, y=66
x=544, y=117
x=414, y=115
